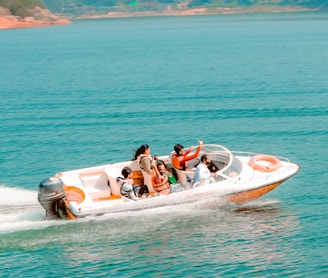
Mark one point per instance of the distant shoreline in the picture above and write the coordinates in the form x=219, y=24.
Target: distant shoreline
x=39, y=17
x=10, y=22
x=198, y=11
x=13, y=22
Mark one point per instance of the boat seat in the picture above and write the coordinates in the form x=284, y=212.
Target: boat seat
x=112, y=174
x=182, y=175
x=96, y=184
x=138, y=178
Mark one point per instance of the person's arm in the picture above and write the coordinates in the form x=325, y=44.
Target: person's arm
x=192, y=156
x=157, y=176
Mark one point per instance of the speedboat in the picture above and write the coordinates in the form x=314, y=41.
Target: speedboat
x=239, y=177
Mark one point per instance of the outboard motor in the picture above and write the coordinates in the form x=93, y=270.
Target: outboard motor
x=52, y=197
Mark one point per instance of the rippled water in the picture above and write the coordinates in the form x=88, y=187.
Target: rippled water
x=92, y=92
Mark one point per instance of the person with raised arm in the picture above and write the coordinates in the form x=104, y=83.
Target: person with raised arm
x=180, y=158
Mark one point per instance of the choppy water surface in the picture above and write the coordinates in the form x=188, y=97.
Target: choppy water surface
x=92, y=92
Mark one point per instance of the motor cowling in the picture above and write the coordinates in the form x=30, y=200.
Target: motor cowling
x=52, y=197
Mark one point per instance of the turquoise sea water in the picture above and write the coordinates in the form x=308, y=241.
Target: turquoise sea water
x=90, y=93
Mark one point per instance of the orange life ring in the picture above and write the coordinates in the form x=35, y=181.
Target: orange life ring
x=274, y=163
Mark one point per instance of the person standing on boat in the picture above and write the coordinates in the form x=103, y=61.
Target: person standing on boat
x=202, y=173
x=180, y=158
x=146, y=164
x=126, y=182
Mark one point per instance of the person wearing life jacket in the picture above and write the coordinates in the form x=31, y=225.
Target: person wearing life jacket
x=146, y=164
x=127, y=189
x=161, y=182
x=180, y=158
x=170, y=172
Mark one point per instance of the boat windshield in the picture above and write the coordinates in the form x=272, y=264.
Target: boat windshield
x=229, y=165
x=234, y=169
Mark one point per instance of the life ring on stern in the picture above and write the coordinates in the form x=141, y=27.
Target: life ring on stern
x=273, y=165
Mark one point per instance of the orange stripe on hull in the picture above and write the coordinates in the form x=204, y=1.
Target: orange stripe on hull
x=250, y=195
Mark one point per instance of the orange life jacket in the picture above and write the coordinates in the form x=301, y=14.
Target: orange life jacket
x=161, y=186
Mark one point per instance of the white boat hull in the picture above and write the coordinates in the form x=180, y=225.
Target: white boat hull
x=94, y=191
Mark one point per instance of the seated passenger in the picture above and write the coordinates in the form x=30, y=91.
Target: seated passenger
x=202, y=173
x=161, y=182
x=171, y=173
x=126, y=182
x=180, y=158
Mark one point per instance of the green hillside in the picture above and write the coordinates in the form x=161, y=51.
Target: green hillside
x=21, y=7
x=101, y=6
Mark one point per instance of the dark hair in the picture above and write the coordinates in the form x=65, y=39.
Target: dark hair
x=142, y=149
x=160, y=162
x=178, y=148
x=203, y=157
x=126, y=171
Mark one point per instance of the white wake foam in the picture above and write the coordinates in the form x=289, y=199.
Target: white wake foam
x=17, y=197
x=19, y=210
